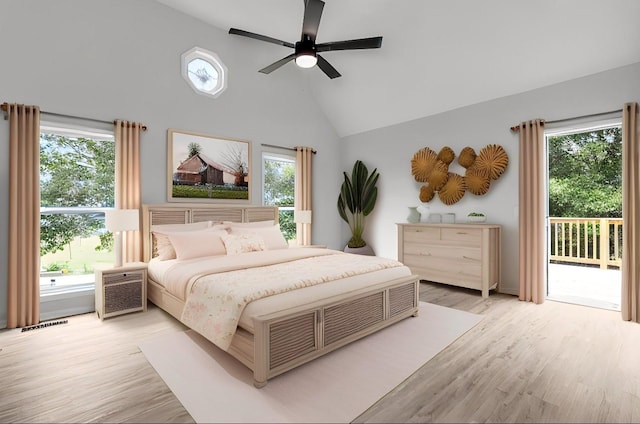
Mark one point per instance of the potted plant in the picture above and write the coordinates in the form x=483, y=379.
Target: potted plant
x=357, y=199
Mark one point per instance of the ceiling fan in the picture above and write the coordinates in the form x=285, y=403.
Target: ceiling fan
x=306, y=50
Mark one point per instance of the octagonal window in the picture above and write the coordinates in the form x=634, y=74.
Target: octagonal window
x=204, y=72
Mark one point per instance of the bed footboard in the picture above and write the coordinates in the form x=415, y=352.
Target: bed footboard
x=287, y=339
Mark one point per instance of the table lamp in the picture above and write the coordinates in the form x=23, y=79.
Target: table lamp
x=301, y=217
x=117, y=221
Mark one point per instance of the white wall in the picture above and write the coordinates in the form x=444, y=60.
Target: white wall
x=390, y=149
x=121, y=59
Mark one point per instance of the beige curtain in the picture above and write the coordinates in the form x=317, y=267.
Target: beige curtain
x=630, y=213
x=532, y=212
x=23, y=300
x=304, y=156
x=128, y=182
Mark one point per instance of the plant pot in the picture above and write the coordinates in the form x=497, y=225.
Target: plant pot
x=476, y=219
x=364, y=250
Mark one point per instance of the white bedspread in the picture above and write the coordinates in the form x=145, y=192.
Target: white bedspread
x=219, y=289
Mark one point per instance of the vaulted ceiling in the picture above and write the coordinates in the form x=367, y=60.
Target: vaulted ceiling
x=436, y=55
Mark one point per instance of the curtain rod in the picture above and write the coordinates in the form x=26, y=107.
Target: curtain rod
x=4, y=107
x=286, y=148
x=516, y=128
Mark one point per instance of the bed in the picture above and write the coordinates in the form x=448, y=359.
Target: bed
x=333, y=298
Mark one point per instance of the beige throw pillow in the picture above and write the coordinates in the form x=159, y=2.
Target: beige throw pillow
x=272, y=235
x=242, y=243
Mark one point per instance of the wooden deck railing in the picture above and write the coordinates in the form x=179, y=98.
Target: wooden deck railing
x=592, y=241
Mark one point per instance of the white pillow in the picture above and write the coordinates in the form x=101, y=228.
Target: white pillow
x=273, y=238
x=196, y=244
x=164, y=248
x=241, y=243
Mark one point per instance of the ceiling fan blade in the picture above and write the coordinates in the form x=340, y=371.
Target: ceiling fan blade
x=276, y=65
x=362, y=43
x=260, y=37
x=311, y=20
x=327, y=68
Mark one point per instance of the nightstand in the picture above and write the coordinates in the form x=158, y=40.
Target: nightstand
x=121, y=290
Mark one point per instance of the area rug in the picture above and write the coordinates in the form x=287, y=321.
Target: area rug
x=338, y=387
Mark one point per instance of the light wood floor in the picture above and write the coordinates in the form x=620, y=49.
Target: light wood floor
x=554, y=362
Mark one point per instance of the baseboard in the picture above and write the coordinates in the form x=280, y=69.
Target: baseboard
x=513, y=292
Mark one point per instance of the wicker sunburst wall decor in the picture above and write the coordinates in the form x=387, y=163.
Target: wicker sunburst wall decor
x=446, y=155
x=467, y=157
x=433, y=169
x=438, y=176
x=492, y=159
x=477, y=180
x=426, y=193
x=422, y=164
x=453, y=190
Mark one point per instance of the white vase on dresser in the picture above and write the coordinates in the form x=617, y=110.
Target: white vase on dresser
x=423, y=210
x=414, y=215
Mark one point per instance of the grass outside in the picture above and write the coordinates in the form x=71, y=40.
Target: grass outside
x=217, y=192
x=79, y=257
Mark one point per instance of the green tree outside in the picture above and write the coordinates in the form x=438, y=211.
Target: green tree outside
x=279, y=190
x=75, y=172
x=585, y=177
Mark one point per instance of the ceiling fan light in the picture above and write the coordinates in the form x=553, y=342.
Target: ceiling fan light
x=306, y=60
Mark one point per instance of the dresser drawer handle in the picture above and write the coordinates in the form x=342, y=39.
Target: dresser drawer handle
x=462, y=232
x=425, y=254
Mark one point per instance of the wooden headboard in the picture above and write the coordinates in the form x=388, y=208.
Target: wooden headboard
x=184, y=213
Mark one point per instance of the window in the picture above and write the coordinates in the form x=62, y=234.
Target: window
x=279, y=173
x=204, y=72
x=77, y=183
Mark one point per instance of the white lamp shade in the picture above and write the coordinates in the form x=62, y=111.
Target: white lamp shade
x=122, y=220
x=302, y=217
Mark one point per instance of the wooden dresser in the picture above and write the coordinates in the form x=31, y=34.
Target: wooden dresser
x=464, y=255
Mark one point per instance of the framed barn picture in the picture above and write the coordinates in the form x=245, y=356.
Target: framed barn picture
x=204, y=168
